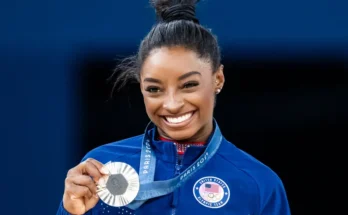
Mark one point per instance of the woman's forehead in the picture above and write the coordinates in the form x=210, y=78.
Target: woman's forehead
x=173, y=61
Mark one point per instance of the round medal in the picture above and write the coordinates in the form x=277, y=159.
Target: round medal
x=120, y=187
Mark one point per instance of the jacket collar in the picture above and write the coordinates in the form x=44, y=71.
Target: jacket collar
x=166, y=151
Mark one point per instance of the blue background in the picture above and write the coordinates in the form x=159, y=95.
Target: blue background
x=42, y=43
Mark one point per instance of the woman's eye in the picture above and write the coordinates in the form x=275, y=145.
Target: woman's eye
x=190, y=84
x=153, y=89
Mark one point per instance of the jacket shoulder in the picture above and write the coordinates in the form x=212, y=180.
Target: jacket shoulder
x=117, y=150
x=270, y=188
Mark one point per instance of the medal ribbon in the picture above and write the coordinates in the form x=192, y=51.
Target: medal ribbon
x=151, y=189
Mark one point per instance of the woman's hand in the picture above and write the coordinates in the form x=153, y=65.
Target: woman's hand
x=80, y=193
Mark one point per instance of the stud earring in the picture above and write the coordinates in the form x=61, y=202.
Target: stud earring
x=218, y=91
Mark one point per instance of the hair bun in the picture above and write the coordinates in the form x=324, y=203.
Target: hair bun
x=179, y=12
x=170, y=10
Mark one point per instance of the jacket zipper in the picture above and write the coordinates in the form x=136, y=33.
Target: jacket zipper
x=176, y=192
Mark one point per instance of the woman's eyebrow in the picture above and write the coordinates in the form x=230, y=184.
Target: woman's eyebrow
x=152, y=80
x=186, y=75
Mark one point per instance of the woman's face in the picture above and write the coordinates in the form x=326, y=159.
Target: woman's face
x=179, y=91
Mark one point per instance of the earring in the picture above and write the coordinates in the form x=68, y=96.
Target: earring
x=218, y=91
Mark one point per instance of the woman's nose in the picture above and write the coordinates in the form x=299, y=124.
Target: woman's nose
x=173, y=103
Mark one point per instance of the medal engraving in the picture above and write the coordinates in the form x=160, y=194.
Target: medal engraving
x=120, y=187
x=117, y=184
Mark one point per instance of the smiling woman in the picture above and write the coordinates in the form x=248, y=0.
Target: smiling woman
x=182, y=164
x=179, y=92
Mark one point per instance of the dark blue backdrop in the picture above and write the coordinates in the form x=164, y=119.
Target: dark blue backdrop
x=41, y=43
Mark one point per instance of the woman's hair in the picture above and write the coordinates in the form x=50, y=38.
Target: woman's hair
x=176, y=25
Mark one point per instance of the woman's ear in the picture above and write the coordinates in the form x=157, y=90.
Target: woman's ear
x=219, y=79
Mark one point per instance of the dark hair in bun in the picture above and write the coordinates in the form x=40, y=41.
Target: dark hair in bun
x=177, y=26
x=168, y=11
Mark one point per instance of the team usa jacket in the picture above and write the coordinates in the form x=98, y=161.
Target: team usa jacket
x=231, y=182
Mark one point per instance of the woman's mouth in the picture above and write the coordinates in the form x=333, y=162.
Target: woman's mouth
x=178, y=120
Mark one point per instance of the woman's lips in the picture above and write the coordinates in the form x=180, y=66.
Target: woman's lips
x=179, y=121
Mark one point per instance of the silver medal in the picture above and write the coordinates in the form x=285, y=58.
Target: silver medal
x=120, y=187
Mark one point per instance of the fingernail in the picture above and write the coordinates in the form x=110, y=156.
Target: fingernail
x=104, y=170
x=101, y=181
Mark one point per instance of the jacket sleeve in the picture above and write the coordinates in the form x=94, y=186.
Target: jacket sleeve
x=62, y=211
x=274, y=201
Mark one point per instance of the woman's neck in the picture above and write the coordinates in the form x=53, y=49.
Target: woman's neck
x=201, y=135
x=181, y=147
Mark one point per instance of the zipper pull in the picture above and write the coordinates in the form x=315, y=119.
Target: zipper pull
x=177, y=169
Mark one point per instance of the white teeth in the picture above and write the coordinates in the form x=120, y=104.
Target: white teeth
x=179, y=119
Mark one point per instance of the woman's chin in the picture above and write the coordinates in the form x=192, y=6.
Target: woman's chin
x=180, y=135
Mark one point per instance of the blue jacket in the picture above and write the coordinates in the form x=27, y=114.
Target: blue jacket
x=232, y=182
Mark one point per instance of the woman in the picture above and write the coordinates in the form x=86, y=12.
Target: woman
x=191, y=168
